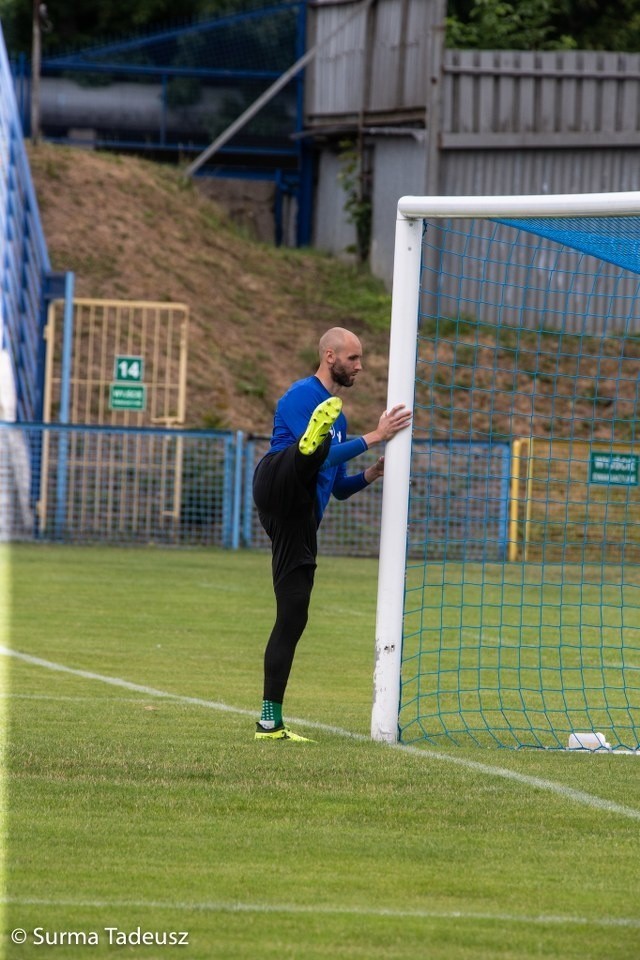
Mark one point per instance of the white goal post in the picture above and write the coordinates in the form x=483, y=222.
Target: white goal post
x=411, y=213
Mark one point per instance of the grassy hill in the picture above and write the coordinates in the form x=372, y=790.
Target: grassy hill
x=131, y=229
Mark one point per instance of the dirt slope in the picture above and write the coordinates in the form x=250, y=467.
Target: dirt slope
x=135, y=230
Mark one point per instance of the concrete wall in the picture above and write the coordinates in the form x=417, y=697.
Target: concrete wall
x=399, y=169
x=331, y=231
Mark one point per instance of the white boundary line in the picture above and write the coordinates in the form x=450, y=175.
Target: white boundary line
x=538, y=783
x=323, y=909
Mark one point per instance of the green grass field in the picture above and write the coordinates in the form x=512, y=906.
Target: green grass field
x=136, y=799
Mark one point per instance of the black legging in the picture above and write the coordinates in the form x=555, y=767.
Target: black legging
x=293, y=593
x=284, y=491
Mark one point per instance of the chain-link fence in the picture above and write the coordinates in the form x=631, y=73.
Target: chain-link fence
x=84, y=484
x=351, y=527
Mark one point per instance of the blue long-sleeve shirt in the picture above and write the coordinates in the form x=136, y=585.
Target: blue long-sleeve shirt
x=290, y=421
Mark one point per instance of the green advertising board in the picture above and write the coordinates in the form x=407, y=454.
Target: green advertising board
x=615, y=469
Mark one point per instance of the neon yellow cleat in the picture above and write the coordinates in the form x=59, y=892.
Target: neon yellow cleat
x=322, y=419
x=280, y=733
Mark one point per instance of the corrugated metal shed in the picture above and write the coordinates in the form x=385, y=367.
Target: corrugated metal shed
x=376, y=66
x=465, y=122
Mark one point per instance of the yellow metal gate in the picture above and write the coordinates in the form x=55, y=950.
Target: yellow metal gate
x=128, y=370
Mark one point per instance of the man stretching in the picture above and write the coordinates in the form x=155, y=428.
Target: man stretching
x=292, y=484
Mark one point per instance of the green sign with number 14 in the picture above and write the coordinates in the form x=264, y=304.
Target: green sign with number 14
x=128, y=369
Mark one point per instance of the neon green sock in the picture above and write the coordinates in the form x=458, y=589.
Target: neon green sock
x=271, y=715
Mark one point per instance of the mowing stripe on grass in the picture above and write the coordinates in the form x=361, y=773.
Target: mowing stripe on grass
x=537, y=783
x=325, y=910
x=107, y=698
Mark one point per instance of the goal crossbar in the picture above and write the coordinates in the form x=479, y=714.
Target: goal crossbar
x=624, y=203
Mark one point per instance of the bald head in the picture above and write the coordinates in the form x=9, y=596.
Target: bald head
x=334, y=339
x=340, y=358
x=338, y=339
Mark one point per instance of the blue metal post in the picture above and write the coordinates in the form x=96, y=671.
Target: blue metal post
x=304, y=190
x=163, y=117
x=65, y=405
x=237, y=491
x=67, y=348
x=247, y=512
x=227, y=492
x=20, y=84
x=277, y=208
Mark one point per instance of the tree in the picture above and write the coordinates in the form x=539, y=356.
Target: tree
x=544, y=24
x=501, y=25
x=75, y=25
x=598, y=25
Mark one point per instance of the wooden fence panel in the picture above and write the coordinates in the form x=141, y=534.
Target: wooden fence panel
x=510, y=99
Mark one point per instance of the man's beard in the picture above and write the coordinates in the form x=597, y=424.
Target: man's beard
x=340, y=376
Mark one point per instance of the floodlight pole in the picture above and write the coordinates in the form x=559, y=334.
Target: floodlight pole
x=395, y=494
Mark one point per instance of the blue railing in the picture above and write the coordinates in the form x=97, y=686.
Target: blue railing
x=25, y=269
